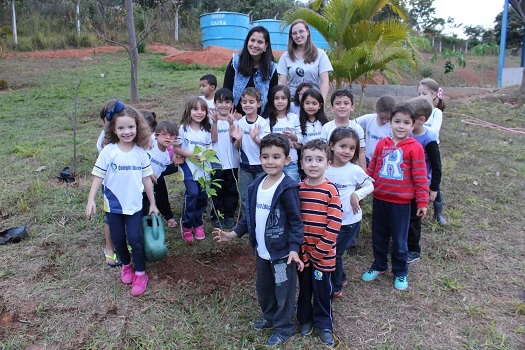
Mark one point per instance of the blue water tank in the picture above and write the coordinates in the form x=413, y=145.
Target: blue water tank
x=280, y=40
x=225, y=29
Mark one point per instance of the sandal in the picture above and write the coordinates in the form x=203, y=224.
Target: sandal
x=171, y=223
x=116, y=261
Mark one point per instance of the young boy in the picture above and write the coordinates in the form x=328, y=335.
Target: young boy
x=427, y=139
x=251, y=129
x=273, y=222
x=321, y=213
x=376, y=125
x=342, y=105
x=399, y=171
x=227, y=197
x=207, y=86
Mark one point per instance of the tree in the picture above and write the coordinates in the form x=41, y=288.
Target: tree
x=515, y=28
x=448, y=56
x=359, y=46
x=13, y=22
x=421, y=14
x=133, y=52
x=482, y=50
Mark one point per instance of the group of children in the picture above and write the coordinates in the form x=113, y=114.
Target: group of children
x=301, y=180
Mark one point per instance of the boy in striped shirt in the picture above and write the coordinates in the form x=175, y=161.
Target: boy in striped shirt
x=321, y=213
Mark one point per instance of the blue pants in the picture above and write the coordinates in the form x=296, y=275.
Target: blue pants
x=390, y=220
x=195, y=201
x=276, y=285
x=127, y=227
x=245, y=179
x=292, y=170
x=316, y=284
x=344, y=239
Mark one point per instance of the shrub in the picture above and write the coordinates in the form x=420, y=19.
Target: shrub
x=4, y=85
x=426, y=71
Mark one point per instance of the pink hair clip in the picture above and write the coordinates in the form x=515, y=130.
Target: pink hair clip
x=440, y=93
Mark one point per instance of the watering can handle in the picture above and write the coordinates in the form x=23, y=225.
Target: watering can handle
x=155, y=226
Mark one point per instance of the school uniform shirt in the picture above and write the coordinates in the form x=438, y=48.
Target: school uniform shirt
x=329, y=127
x=262, y=211
x=432, y=158
x=159, y=159
x=226, y=152
x=399, y=172
x=434, y=122
x=373, y=131
x=209, y=103
x=122, y=173
x=250, y=151
x=321, y=213
x=346, y=179
x=299, y=72
x=100, y=140
x=190, y=138
x=290, y=122
x=313, y=131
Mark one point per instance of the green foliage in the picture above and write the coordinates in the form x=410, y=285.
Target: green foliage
x=515, y=29
x=448, y=56
x=483, y=50
x=426, y=71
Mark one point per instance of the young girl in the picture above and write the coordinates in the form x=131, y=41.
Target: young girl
x=124, y=168
x=430, y=90
x=286, y=123
x=346, y=175
x=295, y=107
x=195, y=129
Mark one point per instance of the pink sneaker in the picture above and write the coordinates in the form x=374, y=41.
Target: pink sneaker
x=187, y=234
x=127, y=274
x=139, y=284
x=199, y=232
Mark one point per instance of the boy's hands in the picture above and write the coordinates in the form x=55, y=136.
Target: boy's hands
x=236, y=132
x=295, y=257
x=254, y=132
x=223, y=236
x=422, y=212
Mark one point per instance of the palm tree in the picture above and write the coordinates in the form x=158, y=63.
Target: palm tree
x=359, y=46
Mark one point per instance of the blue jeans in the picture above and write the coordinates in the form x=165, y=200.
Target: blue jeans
x=390, y=220
x=124, y=228
x=292, y=170
x=344, y=239
x=195, y=201
x=245, y=179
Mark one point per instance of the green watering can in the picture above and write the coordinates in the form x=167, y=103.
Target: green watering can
x=154, y=238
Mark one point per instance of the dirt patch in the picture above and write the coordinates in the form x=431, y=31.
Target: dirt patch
x=65, y=53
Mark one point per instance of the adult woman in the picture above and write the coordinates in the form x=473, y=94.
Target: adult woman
x=303, y=61
x=253, y=67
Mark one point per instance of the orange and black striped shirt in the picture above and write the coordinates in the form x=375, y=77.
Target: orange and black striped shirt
x=321, y=213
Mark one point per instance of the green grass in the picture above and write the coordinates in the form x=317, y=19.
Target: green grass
x=464, y=293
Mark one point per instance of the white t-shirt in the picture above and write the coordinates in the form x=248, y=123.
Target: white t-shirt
x=226, y=152
x=346, y=178
x=250, y=151
x=313, y=131
x=262, y=211
x=434, y=122
x=210, y=103
x=122, y=173
x=299, y=72
x=159, y=160
x=290, y=122
x=100, y=140
x=373, y=132
x=189, y=139
x=295, y=108
x=329, y=127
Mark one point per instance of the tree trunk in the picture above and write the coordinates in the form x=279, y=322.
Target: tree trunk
x=177, y=23
x=13, y=22
x=77, y=12
x=133, y=52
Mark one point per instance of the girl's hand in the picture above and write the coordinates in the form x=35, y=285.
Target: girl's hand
x=91, y=208
x=236, y=132
x=254, y=132
x=295, y=258
x=290, y=134
x=432, y=196
x=153, y=178
x=422, y=212
x=153, y=209
x=354, y=202
x=223, y=236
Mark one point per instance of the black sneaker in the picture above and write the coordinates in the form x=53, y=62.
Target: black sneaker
x=306, y=329
x=276, y=339
x=325, y=335
x=413, y=256
x=262, y=324
x=230, y=223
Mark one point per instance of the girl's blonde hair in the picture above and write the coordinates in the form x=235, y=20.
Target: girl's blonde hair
x=143, y=136
x=310, y=50
x=433, y=86
x=194, y=102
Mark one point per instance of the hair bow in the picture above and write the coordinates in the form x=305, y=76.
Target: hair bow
x=440, y=93
x=117, y=108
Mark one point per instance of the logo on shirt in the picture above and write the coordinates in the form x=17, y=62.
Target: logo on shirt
x=113, y=167
x=299, y=71
x=391, y=168
x=318, y=275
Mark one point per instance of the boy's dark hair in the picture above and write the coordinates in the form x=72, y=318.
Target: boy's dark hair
x=340, y=93
x=167, y=126
x=385, y=104
x=421, y=106
x=210, y=78
x=277, y=140
x=314, y=144
x=223, y=94
x=404, y=108
x=253, y=92
x=150, y=117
